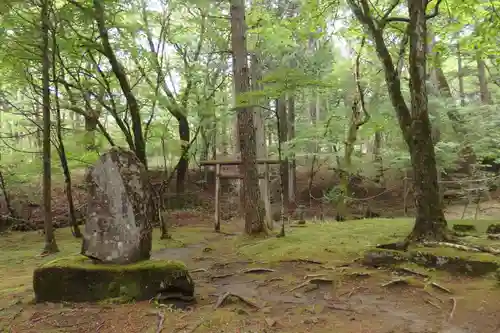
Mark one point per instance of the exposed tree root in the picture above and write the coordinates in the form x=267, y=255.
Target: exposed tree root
x=244, y=299
x=447, y=238
x=258, y=270
x=316, y=281
x=452, y=245
x=396, y=282
x=403, y=270
x=441, y=288
x=454, y=307
x=462, y=246
x=161, y=320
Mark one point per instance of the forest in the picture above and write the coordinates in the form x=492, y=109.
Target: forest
x=253, y=166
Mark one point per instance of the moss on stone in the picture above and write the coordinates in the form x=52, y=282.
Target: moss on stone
x=80, y=261
x=78, y=279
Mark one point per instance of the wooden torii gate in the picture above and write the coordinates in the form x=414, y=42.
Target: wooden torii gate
x=219, y=175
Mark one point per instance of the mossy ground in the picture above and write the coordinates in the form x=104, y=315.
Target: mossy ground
x=218, y=255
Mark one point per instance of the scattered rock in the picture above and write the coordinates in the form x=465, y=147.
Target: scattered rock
x=493, y=229
x=464, y=227
x=77, y=279
x=120, y=210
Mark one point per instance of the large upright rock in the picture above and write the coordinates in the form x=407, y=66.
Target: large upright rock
x=119, y=210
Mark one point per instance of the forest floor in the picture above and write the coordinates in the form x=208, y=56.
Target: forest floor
x=351, y=300
x=354, y=302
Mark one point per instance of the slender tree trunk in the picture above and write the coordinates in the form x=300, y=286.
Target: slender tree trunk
x=292, y=175
x=62, y=151
x=50, y=240
x=6, y=197
x=139, y=143
x=460, y=75
x=283, y=139
x=251, y=199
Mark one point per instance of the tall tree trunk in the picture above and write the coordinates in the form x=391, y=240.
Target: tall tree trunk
x=50, y=240
x=282, y=120
x=251, y=199
x=118, y=70
x=430, y=222
x=62, y=150
x=460, y=75
x=415, y=125
x=260, y=137
x=292, y=175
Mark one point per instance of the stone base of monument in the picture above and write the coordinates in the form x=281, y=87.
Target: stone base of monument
x=78, y=279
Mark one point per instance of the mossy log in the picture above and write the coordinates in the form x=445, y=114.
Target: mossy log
x=78, y=279
x=466, y=265
x=450, y=260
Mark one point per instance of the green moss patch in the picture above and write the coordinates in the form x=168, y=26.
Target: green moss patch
x=77, y=279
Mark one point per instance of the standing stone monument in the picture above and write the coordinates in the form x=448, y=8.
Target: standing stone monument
x=117, y=240
x=118, y=229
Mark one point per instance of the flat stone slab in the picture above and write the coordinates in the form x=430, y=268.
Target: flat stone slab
x=78, y=279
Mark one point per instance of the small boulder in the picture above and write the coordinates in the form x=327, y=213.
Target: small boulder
x=464, y=227
x=120, y=210
x=493, y=229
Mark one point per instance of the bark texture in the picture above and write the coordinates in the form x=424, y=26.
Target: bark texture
x=415, y=125
x=50, y=240
x=251, y=198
